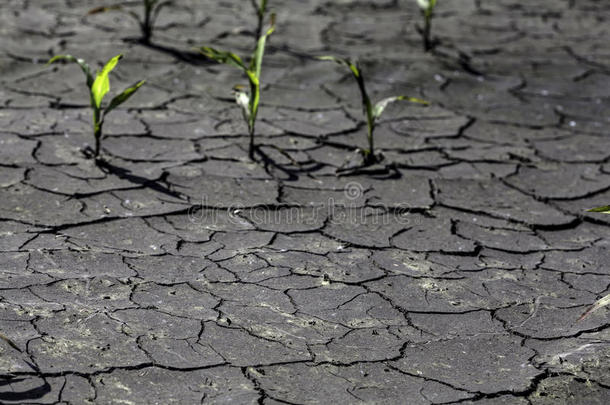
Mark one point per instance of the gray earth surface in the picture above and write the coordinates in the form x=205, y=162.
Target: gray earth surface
x=181, y=272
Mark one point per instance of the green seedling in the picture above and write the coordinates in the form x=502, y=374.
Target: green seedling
x=98, y=88
x=427, y=9
x=372, y=112
x=249, y=102
x=152, y=8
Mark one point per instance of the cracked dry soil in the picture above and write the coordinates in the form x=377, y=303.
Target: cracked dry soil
x=141, y=283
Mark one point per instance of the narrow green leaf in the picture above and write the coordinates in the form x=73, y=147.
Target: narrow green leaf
x=101, y=85
x=599, y=304
x=416, y=100
x=381, y=106
x=80, y=62
x=257, y=59
x=351, y=66
x=124, y=96
x=227, y=58
x=330, y=58
x=55, y=58
x=604, y=210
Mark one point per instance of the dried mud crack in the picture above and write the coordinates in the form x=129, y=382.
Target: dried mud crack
x=180, y=271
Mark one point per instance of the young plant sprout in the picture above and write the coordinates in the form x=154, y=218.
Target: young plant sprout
x=372, y=112
x=152, y=8
x=248, y=102
x=427, y=9
x=98, y=88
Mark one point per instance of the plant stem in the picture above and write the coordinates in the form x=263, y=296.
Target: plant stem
x=370, y=119
x=251, y=147
x=427, y=31
x=98, y=140
x=97, y=132
x=371, y=128
x=255, y=94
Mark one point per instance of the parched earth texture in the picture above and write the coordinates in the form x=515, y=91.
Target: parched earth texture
x=181, y=272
